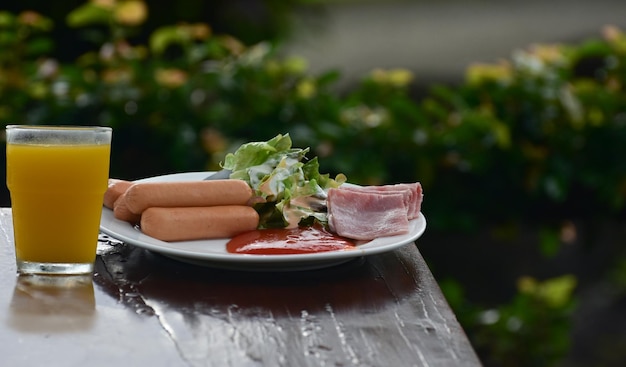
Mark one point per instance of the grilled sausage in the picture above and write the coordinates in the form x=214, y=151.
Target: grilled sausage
x=121, y=212
x=141, y=196
x=115, y=189
x=195, y=223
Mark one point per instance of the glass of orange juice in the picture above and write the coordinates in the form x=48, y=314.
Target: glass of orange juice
x=57, y=176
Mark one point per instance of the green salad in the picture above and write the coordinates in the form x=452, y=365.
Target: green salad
x=290, y=188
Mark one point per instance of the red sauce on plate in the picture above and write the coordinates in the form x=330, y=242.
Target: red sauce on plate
x=282, y=241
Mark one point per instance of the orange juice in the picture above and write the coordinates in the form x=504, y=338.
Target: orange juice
x=56, y=198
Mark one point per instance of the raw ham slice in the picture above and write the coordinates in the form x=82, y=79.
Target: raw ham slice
x=412, y=193
x=365, y=213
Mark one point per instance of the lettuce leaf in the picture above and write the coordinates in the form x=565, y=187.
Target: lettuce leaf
x=291, y=186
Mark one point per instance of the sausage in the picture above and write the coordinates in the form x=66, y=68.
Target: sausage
x=121, y=212
x=195, y=223
x=141, y=196
x=114, y=190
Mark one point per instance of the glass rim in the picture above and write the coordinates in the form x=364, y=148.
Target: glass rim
x=58, y=127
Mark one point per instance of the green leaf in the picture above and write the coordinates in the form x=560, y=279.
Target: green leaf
x=7, y=19
x=549, y=242
x=88, y=14
x=557, y=292
x=8, y=37
x=39, y=46
x=163, y=37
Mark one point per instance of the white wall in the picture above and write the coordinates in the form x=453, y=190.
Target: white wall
x=438, y=39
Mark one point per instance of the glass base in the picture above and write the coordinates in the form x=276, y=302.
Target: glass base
x=30, y=267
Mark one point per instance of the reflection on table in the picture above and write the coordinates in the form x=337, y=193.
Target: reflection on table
x=52, y=304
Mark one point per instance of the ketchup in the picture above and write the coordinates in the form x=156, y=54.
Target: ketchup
x=282, y=241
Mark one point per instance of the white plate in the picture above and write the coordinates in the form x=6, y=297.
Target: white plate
x=213, y=252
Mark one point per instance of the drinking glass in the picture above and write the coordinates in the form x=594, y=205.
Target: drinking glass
x=57, y=176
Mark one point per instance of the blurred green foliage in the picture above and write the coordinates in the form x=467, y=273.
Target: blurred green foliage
x=530, y=330
x=534, y=138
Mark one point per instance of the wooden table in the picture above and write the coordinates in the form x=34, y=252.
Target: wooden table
x=143, y=309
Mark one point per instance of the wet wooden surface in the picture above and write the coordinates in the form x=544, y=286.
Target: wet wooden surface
x=143, y=309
